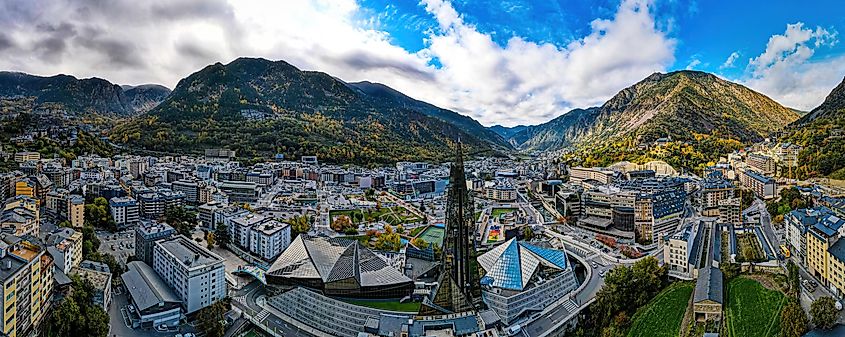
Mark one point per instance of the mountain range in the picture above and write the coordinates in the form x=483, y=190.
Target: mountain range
x=676, y=105
x=821, y=133
x=79, y=96
x=260, y=107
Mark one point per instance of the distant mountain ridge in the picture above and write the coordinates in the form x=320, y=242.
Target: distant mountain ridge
x=508, y=131
x=382, y=92
x=80, y=96
x=821, y=133
x=677, y=105
x=832, y=107
x=560, y=132
x=260, y=107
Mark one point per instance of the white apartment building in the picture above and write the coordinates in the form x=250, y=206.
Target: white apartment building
x=240, y=226
x=260, y=235
x=602, y=175
x=125, y=211
x=269, y=239
x=195, y=274
x=679, y=249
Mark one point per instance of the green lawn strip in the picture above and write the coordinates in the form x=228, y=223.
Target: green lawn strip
x=393, y=305
x=385, y=213
x=417, y=230
x=776, y=319
x=749, y=304
x=664, y=314
x=496, y=212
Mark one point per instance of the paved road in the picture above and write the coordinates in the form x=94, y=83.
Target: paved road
x=584, y=297
x=247, y=300
x=807, y=296
x=766, y=223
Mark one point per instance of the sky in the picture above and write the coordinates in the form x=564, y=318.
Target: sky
x=505, y=62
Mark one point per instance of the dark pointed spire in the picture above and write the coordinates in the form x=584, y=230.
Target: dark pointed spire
x=458, y=289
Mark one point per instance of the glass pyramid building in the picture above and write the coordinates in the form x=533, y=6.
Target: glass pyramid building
x=512, y=265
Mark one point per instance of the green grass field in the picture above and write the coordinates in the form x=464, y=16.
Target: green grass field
x=393, y=305
x=392, y=216
x=752, y=310
x=663, y=315
x=497, y=212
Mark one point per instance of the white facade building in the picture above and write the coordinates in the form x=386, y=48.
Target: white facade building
x=124, y=211
x=196, y=275
x=269, y=239
x=260, y=235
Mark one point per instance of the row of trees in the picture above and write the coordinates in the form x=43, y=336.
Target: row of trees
x=98, y=214
x=388, y=240
x=210, y=320
x=790, y=199
x=793, y=318
x=77, y=315
x=794, y=321
x=90, y=241
x=626, y=289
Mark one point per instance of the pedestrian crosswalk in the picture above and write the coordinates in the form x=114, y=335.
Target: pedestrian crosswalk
x=570, y=305
x=262, y=315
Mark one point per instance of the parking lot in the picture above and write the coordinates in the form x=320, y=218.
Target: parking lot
x=121, y=245
x=231, y=261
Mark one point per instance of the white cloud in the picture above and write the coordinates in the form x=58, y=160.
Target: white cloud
x=729, y=63
x=161, y=41
x=526, y=82
x=692, y=64
x=786, y=72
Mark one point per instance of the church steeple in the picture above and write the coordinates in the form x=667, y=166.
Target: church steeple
x=458, y=288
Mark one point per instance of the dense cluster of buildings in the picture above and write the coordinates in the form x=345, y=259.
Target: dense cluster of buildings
x=638, y=205
x=815, y=236
x=173, y=276
x=514, y=279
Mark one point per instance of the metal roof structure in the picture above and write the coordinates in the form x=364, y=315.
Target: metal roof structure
x=334, y=259
x=512, y=265
x=145, y=287
x=709, y=285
